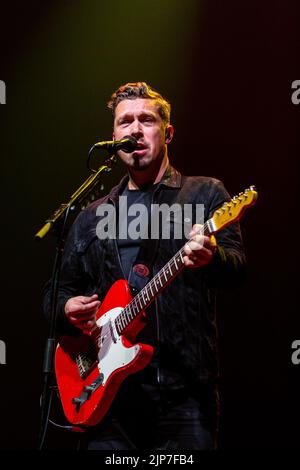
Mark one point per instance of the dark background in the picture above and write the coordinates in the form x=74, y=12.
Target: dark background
x=227, y=68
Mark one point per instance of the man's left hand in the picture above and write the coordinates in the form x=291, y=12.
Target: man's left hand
x=200, y=249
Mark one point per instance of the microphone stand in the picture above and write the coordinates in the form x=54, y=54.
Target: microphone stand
x=57, y=222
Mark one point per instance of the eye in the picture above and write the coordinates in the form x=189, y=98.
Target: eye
x=124, y=121
x=148, y=119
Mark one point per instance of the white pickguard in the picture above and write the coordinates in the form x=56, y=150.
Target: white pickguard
x=112, y=354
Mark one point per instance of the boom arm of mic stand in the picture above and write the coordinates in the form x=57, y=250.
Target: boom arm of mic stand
x=77, y=198
x=60, y=215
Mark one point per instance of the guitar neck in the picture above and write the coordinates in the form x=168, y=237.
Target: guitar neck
x=228, y=213
x=154, y=287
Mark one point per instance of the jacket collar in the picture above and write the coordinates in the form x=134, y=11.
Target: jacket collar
x=171, y=178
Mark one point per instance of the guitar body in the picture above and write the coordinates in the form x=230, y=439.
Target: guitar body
x=90, y=368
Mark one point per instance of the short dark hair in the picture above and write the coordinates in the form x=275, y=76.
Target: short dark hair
x=132, y=91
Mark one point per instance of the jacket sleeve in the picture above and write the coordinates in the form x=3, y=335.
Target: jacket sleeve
x=71, y=283
x=228, y=266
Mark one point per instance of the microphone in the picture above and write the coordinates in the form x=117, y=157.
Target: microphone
x=128, y=144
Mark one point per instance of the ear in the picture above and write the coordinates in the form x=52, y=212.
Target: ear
x=169, y=133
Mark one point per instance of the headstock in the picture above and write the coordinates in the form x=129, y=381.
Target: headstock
x=232, y=211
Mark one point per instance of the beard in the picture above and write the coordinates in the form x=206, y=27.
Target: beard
x=145, y=162
x=140, y=164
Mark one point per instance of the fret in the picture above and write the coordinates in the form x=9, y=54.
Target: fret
x=169, y=264
x=119, y=326
x=138, y=299
x=147, y=293
x=142, y=292
x=125, y=314
x=134, y=306
x=130, y=313
x=175, y=263
x=150, y=285
x=181, y=256
x=165, y=275
x=139, y=306
x=121, y=320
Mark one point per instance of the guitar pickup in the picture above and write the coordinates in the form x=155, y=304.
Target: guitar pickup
x=87, y=392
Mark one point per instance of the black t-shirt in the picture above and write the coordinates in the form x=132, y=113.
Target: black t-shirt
x=128, y=245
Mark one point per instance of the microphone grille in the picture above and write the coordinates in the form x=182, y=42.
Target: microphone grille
x=131, y=143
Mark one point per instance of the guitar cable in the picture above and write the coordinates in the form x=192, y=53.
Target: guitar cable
x=54, y=389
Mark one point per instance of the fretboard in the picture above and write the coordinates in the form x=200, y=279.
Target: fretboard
x=154, y=287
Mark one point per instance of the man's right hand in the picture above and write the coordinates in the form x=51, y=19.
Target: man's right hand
x=81, y=311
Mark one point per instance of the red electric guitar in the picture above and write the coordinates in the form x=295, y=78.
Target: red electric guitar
x=90, y=368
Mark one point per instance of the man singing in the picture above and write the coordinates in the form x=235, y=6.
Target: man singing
x=172, y=404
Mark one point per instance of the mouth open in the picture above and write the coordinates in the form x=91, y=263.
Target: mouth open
x=141, y=146
x=140, y=150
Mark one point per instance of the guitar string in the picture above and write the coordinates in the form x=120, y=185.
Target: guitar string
x=158, y=276
x=205, y=229
x=151, y=283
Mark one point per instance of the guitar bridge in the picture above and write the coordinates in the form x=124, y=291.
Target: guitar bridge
x=87, y=392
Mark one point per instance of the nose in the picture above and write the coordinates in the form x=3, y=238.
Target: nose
x=136, y=129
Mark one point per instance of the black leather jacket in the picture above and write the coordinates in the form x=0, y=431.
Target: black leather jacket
x=185, y=317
